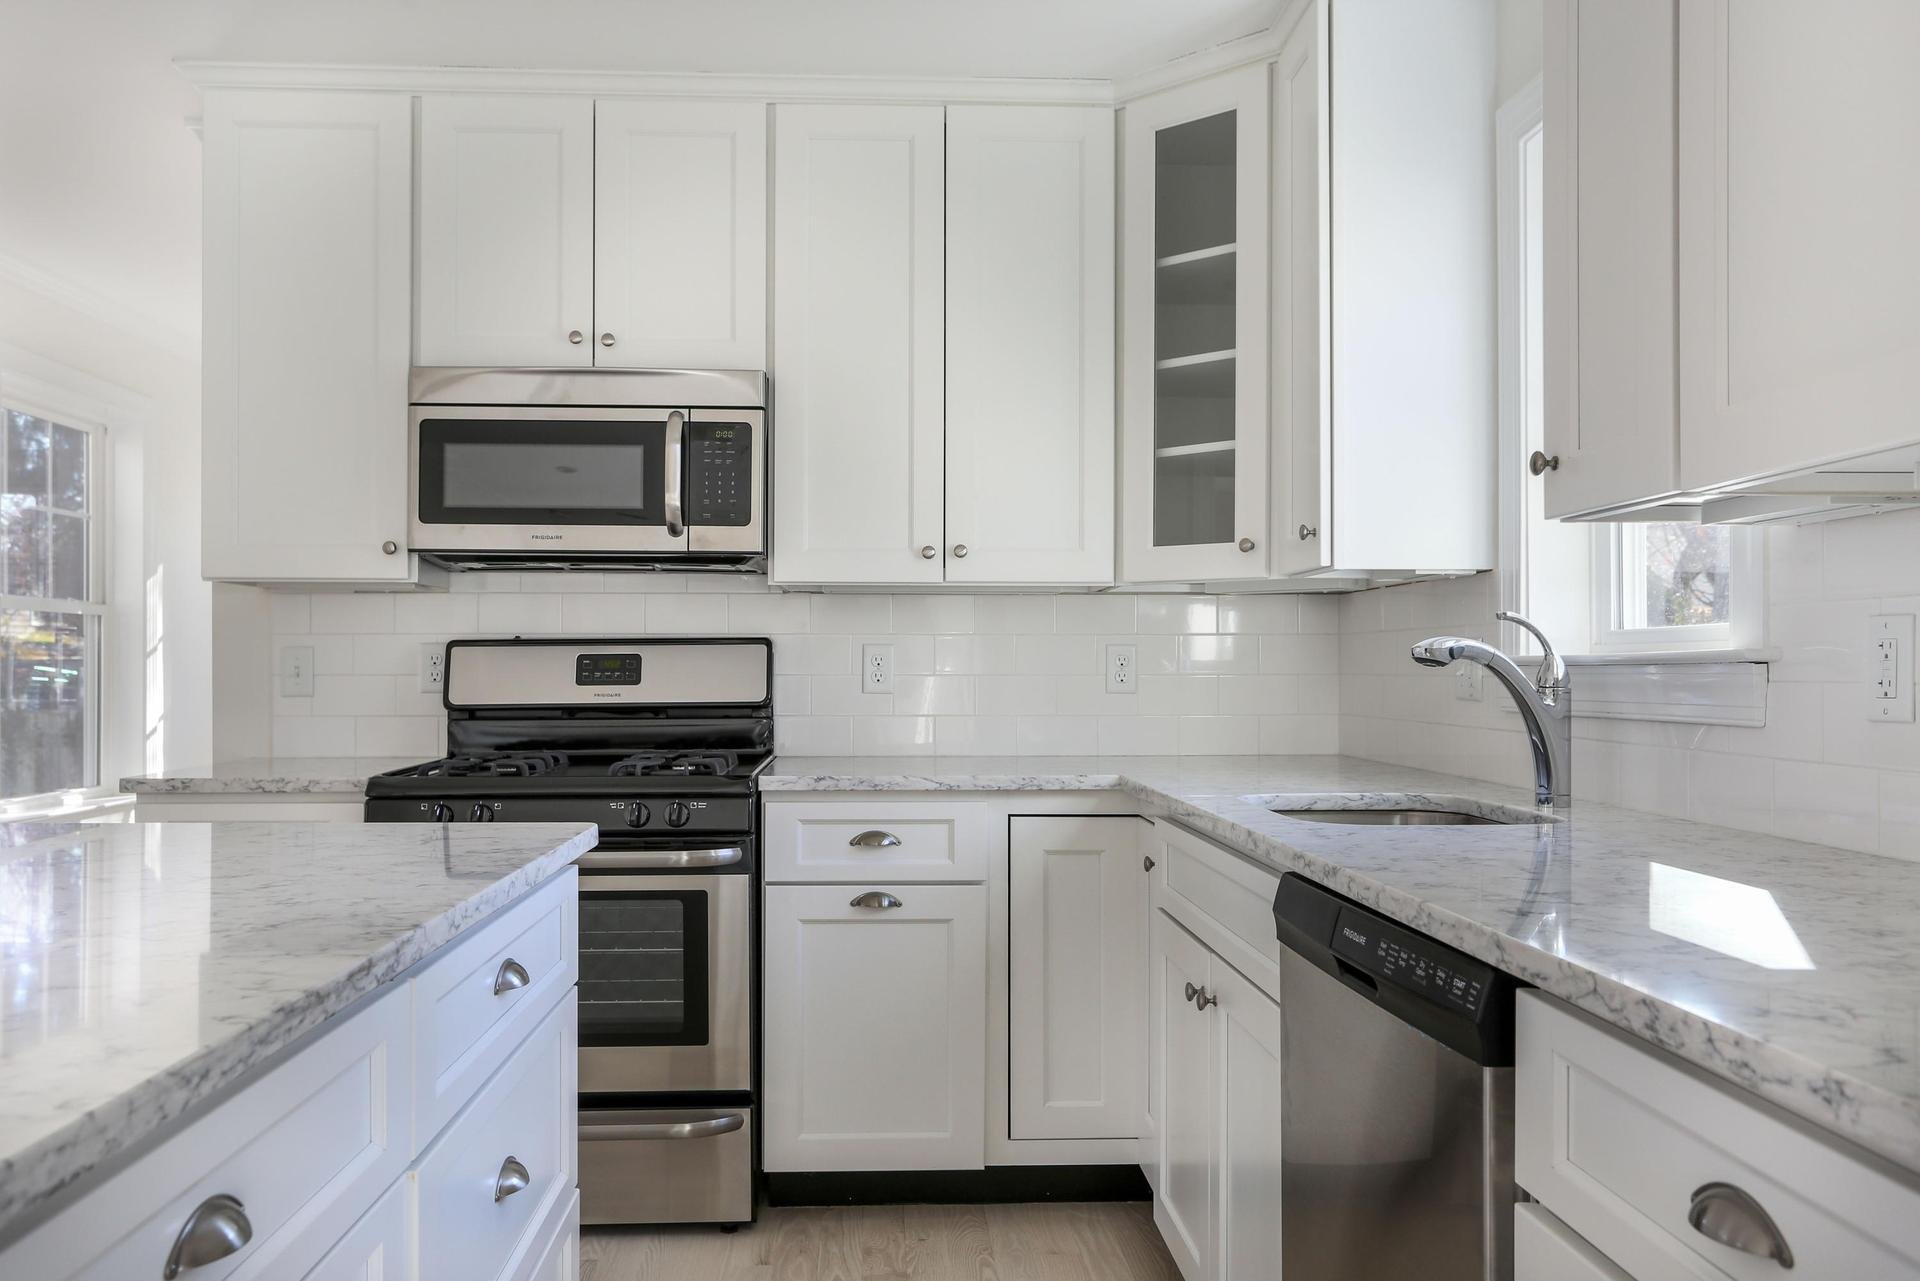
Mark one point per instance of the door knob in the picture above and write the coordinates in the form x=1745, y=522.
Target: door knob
x=606, y=340
x=575, y=337
x=1246, y=544
x=1308, y=531
x=929, y=552
x=1541, y=463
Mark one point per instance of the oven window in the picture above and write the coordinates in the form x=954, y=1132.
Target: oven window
x=643, y=967
x=521, y=472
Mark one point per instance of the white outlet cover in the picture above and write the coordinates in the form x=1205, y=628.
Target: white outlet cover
x=1890, y=655
x=1123, y=669
x=433, y=667
x=876, y=669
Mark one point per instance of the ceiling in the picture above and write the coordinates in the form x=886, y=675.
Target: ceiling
x=99, y=175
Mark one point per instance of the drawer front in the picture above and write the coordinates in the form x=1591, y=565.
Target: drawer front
x=667, y=1165
x=305, y=1151
x=1617, y=1140
x=1545, y=1249
x=519, y=1129
x=861, y=841
x=379, y=1248
x=1225, y=899
x=555, y=1255
x=472, y=1007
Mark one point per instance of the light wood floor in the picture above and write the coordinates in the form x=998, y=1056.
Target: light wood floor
x=1114, y=1241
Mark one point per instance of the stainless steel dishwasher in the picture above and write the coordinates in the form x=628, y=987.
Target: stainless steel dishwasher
x=1396, y=1130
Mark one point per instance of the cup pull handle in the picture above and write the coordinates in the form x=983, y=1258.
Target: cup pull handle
x=513, y=1177
x=874, y=838
x=512, y=976
x=217, y=1228
x=875, y=898
x=1727, y=1214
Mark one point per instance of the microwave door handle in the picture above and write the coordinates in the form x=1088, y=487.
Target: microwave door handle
x=675, y=470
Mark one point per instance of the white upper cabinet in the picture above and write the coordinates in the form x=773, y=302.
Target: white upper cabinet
x=1194, y=371
x=308, y=239
x=506, y=231
x=859, y=336
x=1609, y=253
x=1030, y=312
x=680, y=235
x=1799, y=162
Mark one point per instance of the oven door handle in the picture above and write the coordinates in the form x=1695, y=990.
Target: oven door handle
x=676, y=452
x=705, y=1128
x=635, y=860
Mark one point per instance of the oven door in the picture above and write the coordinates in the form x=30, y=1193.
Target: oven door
x=665, y=964
x=517, y=478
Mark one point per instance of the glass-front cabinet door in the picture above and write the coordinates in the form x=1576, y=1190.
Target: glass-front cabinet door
x=1195, y=349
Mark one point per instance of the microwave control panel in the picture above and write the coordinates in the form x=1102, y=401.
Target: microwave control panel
x=719, y=474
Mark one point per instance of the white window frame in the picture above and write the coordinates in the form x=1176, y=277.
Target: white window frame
x=27, y=394
x=1741, y=638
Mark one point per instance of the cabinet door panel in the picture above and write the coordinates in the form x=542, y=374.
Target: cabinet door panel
x=1183, y=1206
x=1545, y=1249
x=1303, y=453
x=1194, y=361
x=1030, y=317
x=875, y=1028
x=308, y=244
x=1249, y=1092
x=1800, y=189
x=859, y=322
x=1610, y=360
x=506, y=231
x=1074, y=890
x=680, y=235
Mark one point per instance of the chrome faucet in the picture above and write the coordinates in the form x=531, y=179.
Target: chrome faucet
x=1546, y=703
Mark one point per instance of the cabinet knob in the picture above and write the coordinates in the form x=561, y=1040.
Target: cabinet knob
x=929, y=552
x=1246, y=544
x=1203, y=1000
x=1308, y=531
x=1727, y=1214
x=575, y=337
x=1540, y=463
x=513, y=1177
x=960, y=550
x=389, y=547
x=217, y=1228
x=1147, y=863
x=1192, y=991
x=875, y=898
x=606, y=340
x=512, y=977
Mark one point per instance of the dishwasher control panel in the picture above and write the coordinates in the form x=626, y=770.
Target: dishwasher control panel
x=1406, y=960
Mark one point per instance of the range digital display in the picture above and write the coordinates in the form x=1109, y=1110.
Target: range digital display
x=606, y=669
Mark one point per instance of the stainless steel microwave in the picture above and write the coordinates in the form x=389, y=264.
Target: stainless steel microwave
x=603, y=468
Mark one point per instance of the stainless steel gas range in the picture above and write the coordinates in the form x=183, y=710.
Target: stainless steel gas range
x=660, y=743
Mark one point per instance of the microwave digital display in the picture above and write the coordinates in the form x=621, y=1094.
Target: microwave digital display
x=607, y=669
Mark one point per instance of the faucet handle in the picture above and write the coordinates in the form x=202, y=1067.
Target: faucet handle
x=1553, y=668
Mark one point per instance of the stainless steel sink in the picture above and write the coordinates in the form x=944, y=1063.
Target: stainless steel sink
x=1392, y=817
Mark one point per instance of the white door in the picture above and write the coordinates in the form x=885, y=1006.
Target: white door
x=875, y=1027
x=1610, y=360
x=1183, y=1206
x=1302, y=531
x=1249, y=1095
x=1030, y=316
x=1799, y=267
x=680, y=235
x=1076, y=977
x=1194, y=363
x=859, y=320
x=308, y=234
x=506, y=231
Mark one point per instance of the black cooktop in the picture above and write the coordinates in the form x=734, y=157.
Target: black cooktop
x=701, y=771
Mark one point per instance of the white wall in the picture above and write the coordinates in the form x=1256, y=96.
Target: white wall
x=159, y=633
x=973, y=674
x=1817, y=771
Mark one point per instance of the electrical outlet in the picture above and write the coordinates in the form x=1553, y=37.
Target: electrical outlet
x=296, y=671
x=1890, y=661
x=1468, y=687
x=876, y=669
x=1120, y=667
x=433, y=668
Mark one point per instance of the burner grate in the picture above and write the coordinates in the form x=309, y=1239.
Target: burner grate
x=504, y=765
x=644, y=764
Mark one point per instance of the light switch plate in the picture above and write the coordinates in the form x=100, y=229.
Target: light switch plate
x=296, y=671
x=1890, y=668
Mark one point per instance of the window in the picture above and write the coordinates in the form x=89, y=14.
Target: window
x=51, y=605
x=1600, y=588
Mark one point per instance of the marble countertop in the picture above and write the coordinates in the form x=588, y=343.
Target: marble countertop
x=262, y=775
x=1792, y=970
x=150, y=967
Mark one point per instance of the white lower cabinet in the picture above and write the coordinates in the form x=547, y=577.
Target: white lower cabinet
x=377, y=1248
x=1183, y=1204
x=1076, y=1007
x=875, y=1027
x=1545, y=1249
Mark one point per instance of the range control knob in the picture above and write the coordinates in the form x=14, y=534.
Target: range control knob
x=442, y=812
x=480, y=813
x=638, y=815
x=678, y=814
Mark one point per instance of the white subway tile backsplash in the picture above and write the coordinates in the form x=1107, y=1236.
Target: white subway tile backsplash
x=1014, y=695
x=973, y=735
x=1139, y=735
x=416, y=736
x=813, y=735
x=618, y=614
x=846, y=615
x=351, y=612
x=1056, y=655
x=1056, y=736
x=1271, y=615
x=933, y=696
x=1827, y=804
x=1220, y=653
x=767, y=614
x=995, y=615
x=313, y=736
x=1219, y=735
x=813, y=656
x=694, y=614
x=518, y=614
x=842, y=695
x=1259, y=695
x=1094, y=613
x=435, y=612
x=892, y=735
x=932, y=613
x=1178, y=615
x=290, y=613
x=352, y=695
x=1319, y=652
x=1179, y=695
x=387, y=655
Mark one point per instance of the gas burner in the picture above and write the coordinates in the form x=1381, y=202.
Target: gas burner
x=504, y=765
x=717, y=763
